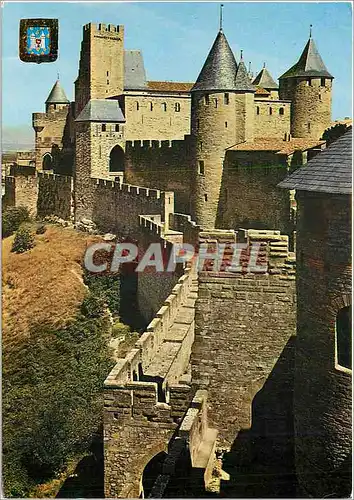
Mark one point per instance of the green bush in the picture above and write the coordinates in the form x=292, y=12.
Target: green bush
x=12, y=218
x=23, y=240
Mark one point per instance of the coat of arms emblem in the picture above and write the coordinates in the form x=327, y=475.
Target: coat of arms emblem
x=38, y=40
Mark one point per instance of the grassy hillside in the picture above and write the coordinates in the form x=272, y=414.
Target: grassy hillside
x=56, y=332
x=43, y=285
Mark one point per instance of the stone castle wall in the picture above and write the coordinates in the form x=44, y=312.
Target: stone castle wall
x=22, y=191
x=249, y=196
x=268, y=122
x=323, y=389
x=55, y=196
x=244, y=322
x=157, y=117
x=161, y=165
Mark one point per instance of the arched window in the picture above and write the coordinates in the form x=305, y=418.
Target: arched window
x=281, y=111
x=117, y=127
x=164, y=106
x=257, y=110
x=116, y=159
x=270, y=111
x=104, y=128
x=47, y=162
x=177, y=107
x=344, y=337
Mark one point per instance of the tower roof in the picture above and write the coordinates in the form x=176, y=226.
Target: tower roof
x=219, y=70
x=101, y=110
x=265, y=80
x=309, y=64
x=328, y=172
x=242, y=79
x=57, y=95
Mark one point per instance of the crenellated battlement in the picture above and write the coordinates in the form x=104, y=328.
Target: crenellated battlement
x=129, y=188
x=112, y=29
x=154, y=144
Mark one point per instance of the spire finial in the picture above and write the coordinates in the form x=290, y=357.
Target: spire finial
x=221, y=20
x=241, y=55
x=58, y=75
x=310, y=30
x=264, y=65
x=249, y=67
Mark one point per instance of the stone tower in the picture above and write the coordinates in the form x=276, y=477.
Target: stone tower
x=101, y=68
x=308, y=85
x=218, y=109
x=323, y=365
x=52, y=131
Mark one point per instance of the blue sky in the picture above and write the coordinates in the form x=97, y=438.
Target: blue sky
x=175, y=38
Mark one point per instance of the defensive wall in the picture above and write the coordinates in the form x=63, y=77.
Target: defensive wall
x=161, y=164
x=272, y=118
x=147, y=393
x=249, y=196
x=245, y=323
x=43, y=194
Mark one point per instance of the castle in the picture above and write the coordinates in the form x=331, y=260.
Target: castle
x=213, y=377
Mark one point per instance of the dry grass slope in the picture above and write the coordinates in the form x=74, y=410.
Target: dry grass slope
x=43, y=285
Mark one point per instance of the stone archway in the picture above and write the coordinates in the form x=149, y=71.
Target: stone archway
x=116, y=159
x=47, y=162
x=151, y=471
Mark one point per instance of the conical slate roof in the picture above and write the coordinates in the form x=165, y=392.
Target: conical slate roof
x=219, y=70
x=57, y=95
x=309, y=64
x=264, y=79
x=242, y=80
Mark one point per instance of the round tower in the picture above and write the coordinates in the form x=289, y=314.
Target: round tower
x=57, y=98
x=308, y=85
x=218, y=102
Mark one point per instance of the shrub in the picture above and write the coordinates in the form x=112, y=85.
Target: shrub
x=12, y=218
x=41, y=229
x=23, y=240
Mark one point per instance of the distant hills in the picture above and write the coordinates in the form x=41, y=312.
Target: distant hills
x=17, y=138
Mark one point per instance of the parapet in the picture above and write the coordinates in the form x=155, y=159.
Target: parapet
x=107, y=29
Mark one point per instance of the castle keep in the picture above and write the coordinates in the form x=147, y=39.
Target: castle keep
x=211, y=395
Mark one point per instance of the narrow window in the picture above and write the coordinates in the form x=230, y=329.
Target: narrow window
x=107, y=73
x=319, y=97
x=198, y=123
x=206, y=99
x=177, y=107
x=104, y=127
x=309, y=127
x=137, y=106
x=107, y=82
x=309, y=82
x=100, y=151
x=151, y=106
x=281, y=111
x=117, y=128
x=55, y=106
x=205, y=197
x=215, y=103
x=257, y=110
x=270, y=111
x=225, y=124
x=344, y=337
x=201, y=167
x=226, y=98
x=323, y=82
x=201, y=146
x=164, y=106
